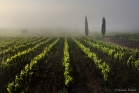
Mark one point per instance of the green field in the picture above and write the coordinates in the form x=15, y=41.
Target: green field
x=68, y=63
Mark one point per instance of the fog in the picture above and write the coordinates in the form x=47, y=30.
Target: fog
x=69, y=14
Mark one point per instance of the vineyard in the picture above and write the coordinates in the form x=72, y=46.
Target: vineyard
x=131, y=40
x=66, y=64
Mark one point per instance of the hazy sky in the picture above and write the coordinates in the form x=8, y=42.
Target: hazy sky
x=119, y=14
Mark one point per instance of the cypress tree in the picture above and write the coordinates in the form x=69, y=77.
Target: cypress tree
x=103, y=26
x=86, y=26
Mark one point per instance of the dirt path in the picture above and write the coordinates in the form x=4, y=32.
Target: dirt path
x=112, y=41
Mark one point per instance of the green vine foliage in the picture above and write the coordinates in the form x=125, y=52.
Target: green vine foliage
x=105, y=69
x=66, y=64
x=16, y=86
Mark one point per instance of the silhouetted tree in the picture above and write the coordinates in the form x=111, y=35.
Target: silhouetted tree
x=103, y=26
x=24, y=31
x=86, y=26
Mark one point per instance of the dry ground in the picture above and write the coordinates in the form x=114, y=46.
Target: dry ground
x=111, y=40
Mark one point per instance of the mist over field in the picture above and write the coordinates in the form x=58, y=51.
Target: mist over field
x=62, y=16
x=69, y=46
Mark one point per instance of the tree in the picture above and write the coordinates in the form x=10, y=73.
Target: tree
x=86, y=26
x=103, y=26
x=24, y=31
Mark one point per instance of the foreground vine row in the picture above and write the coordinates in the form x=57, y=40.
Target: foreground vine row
x=27, y=73
x=105, y=69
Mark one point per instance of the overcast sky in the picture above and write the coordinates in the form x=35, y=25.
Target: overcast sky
x=119, y=14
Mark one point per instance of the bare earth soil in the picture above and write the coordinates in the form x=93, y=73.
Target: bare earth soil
x=111, y=40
